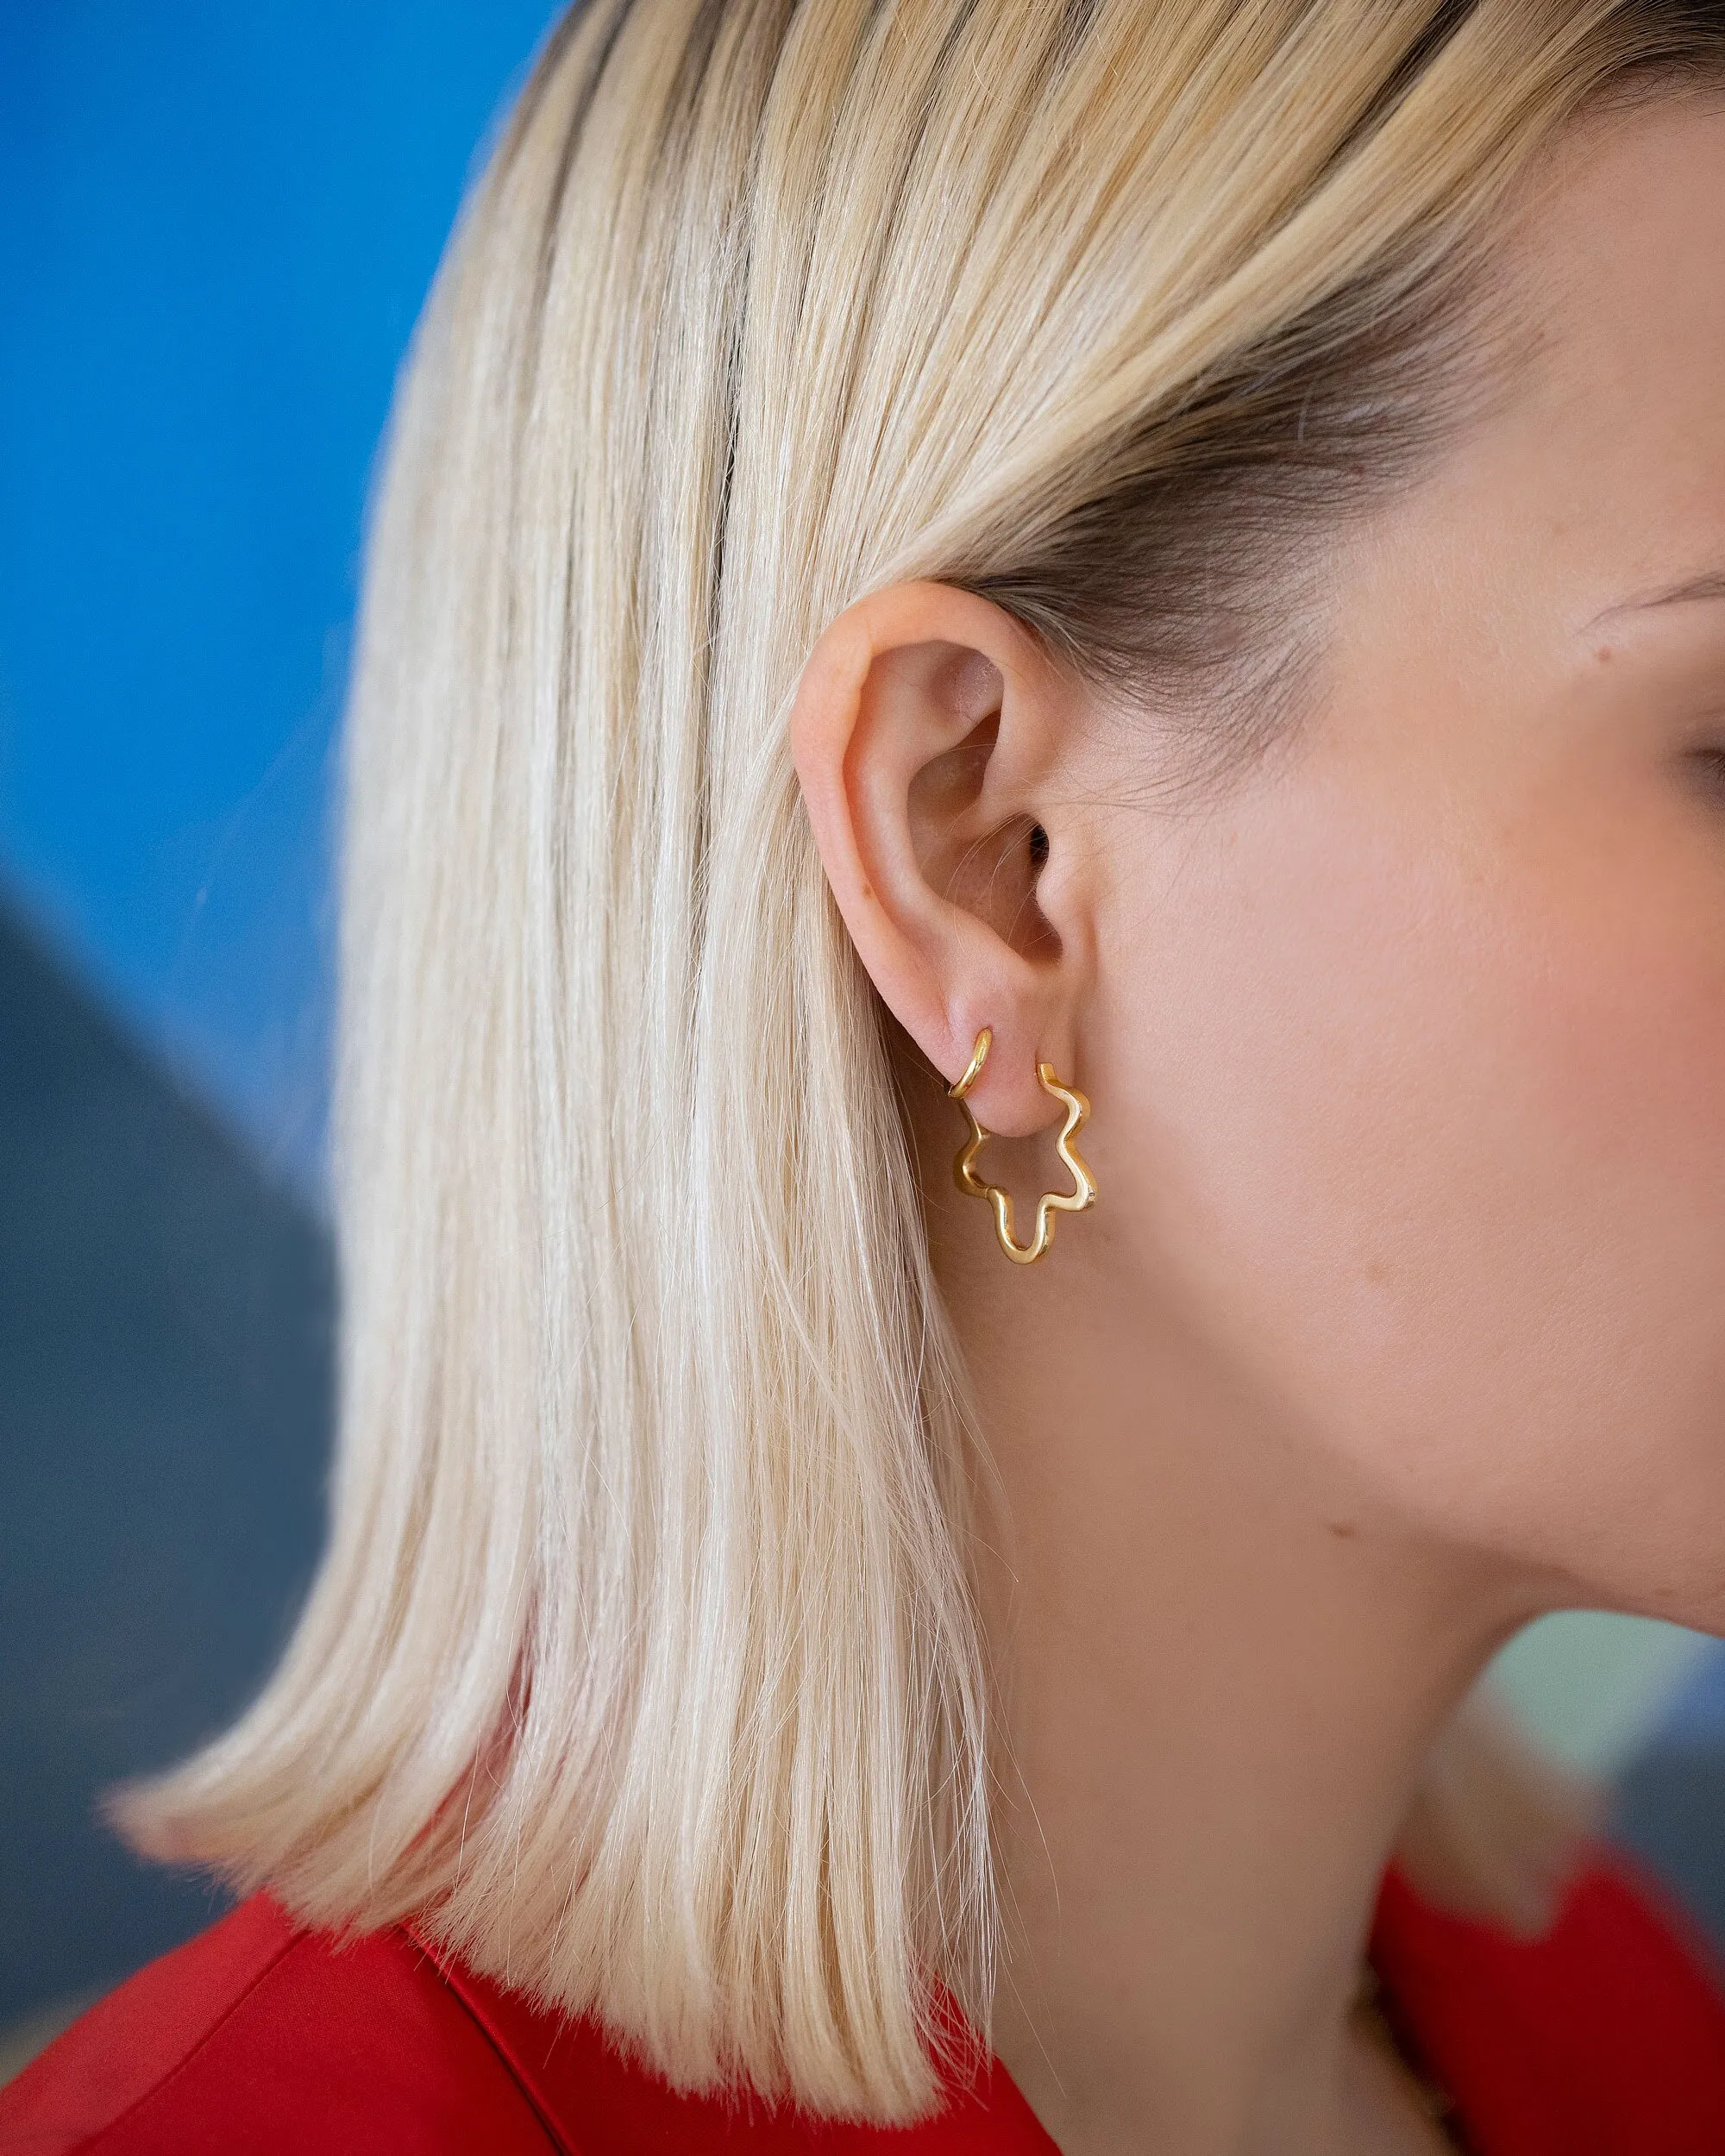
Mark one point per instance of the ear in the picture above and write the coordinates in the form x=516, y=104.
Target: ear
x=928, y=731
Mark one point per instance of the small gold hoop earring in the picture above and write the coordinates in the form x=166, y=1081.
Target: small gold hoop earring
x=1083, y=1192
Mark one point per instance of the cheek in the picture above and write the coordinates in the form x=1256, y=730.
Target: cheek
x=1437, y=1158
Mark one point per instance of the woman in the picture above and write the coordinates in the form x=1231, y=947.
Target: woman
x=991, y=547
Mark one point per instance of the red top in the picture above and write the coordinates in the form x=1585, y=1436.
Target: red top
x=1606, y=2038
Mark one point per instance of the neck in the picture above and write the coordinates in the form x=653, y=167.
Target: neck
x=1220, y=1672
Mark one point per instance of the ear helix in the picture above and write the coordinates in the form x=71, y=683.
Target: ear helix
x=1083, y=1194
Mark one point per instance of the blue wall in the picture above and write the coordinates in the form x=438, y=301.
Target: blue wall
x=218, y=224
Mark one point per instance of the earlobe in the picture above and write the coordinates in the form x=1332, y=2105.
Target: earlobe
x=925, y=730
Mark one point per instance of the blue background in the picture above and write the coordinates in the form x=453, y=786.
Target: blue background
x=219, y=221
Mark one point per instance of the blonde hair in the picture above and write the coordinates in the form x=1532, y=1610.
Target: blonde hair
x=641, y=1664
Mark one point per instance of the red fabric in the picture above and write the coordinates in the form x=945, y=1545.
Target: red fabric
x=1604, y=2038
x=603, y=2106
x=1607, y=2038
x=254, y=2037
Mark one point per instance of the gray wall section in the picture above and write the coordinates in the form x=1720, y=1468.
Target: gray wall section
x=165, y=1405
x=1670, y=1811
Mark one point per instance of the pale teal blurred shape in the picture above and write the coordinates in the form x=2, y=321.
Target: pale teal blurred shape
x=1591, y=1687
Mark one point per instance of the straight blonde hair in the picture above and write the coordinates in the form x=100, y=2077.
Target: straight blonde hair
x=641, y=1665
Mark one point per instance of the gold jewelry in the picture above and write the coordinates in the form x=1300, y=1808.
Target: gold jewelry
x=1083, y=1192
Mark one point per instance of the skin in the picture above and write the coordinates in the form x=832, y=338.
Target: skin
x=1402, y=1317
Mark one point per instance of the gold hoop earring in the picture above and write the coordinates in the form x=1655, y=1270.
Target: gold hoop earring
x=1083, y=1192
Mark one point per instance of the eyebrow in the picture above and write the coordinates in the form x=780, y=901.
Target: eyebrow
x=1710, y=584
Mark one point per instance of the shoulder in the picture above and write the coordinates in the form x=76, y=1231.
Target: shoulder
x=262, y=2035
x=1605, y=2035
